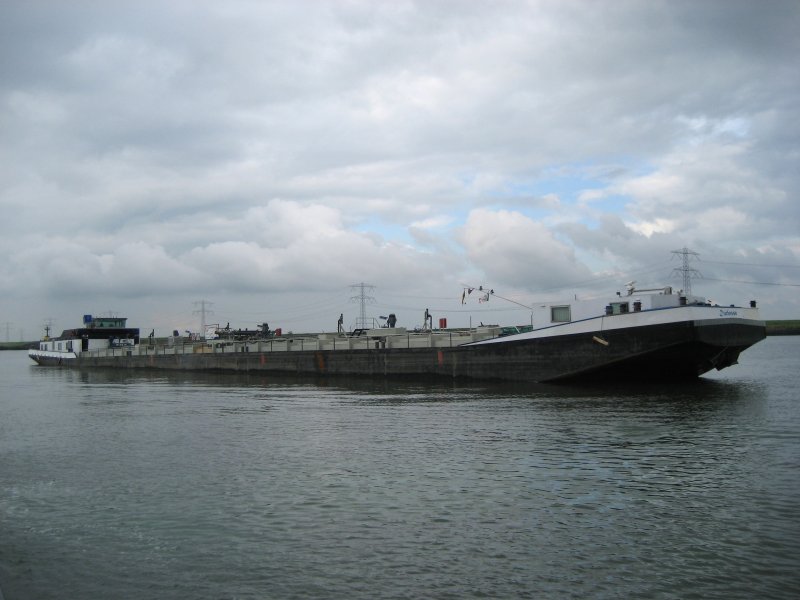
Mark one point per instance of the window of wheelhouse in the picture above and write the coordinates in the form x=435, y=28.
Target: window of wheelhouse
x=619, y=308
x=560, y=314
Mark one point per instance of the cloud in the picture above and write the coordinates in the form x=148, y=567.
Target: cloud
x=281, y=246
x=256, y=148
x=707, y=192
x=516, y=251
x=60, y=267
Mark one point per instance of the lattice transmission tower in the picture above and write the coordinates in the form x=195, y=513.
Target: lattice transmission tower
x=685, y=271
x=363, y=298
x=203, y=311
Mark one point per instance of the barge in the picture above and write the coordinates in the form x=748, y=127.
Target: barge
x=641, y=334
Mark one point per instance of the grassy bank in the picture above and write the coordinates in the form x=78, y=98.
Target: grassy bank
x=790, y=327
x=18, y=345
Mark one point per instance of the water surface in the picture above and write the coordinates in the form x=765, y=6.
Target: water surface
x=173, y=485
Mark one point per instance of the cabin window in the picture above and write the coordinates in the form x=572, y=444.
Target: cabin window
x=619, y=308
x=560, y=314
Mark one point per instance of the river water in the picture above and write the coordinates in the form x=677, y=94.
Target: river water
x=117, y=485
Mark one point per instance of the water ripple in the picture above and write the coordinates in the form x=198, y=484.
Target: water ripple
x=178, y=486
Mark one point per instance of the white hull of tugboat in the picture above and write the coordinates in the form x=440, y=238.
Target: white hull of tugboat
x=44, y=357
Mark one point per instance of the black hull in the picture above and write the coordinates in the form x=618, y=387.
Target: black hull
x=665, y=351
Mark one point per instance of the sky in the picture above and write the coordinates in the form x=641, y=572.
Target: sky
x=259, y=158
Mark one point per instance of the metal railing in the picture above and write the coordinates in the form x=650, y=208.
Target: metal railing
x=407, y=341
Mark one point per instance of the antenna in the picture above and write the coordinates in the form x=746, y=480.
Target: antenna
x=685, y=270
x=362, y=297
x=203, y=311
x=488, y=293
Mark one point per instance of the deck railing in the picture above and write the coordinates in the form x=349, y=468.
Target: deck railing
x=299, y=344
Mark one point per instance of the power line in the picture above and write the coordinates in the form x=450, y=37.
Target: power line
x=645, y=270
x=753, y=282
x=745, y=264
x=450, y=309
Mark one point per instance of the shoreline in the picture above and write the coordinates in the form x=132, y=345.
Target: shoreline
x=784, y=327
